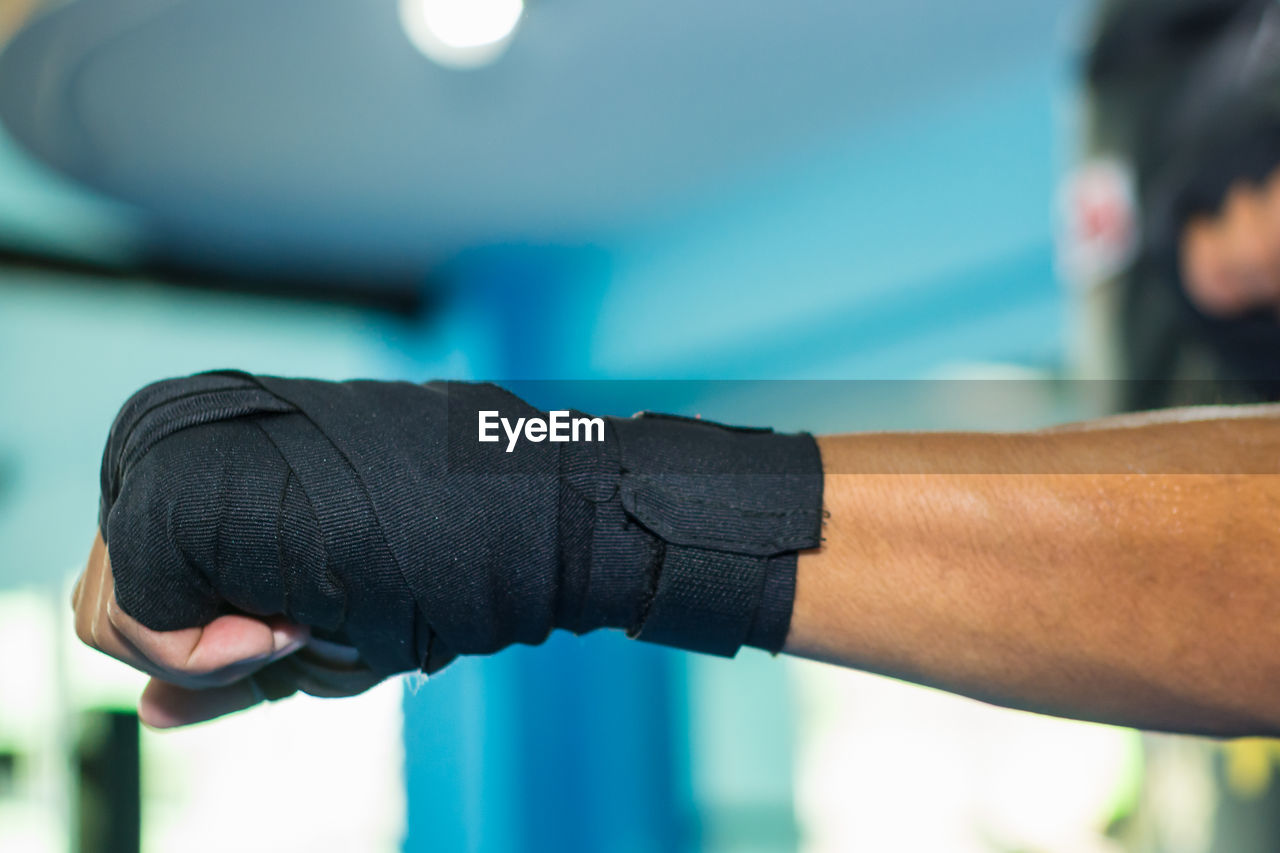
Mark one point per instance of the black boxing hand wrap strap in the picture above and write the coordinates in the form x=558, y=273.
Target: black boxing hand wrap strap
x=731, y=507
x=371, y=512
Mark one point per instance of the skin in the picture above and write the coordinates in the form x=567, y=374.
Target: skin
x=201, y=673
x=1231, y=259
x=1122, y=570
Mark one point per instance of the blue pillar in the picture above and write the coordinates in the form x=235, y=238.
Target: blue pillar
x=575, y=746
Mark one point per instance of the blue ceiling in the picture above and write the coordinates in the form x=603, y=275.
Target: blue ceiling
x=312, y=131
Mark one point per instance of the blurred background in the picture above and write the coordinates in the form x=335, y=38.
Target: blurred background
x=679, y=193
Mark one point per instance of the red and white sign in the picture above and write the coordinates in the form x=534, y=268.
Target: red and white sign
x=1098, y=218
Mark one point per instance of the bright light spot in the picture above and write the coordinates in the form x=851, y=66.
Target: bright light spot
x=461, y=33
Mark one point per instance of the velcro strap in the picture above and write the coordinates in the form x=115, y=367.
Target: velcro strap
x=732, y=506
x=738, y=514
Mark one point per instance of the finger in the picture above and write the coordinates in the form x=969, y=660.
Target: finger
x=198, y=676
x=209, y=653
x=75, y=592
x=103, y=635
x=223, y=652
x=97, y=552
x=322, y=676
x=334, y=686
x=164, y=705
x=212, y=654
x=331, y=653
x=88, y=592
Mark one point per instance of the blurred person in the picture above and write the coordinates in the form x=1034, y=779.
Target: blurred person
x=1184, y=101
x=260, y=536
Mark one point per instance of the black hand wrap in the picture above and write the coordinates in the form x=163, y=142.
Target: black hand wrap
x=371, y=512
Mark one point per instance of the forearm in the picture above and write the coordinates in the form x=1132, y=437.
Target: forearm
x=1124, y=572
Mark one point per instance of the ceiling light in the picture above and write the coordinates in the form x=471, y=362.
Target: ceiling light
x=461, y=33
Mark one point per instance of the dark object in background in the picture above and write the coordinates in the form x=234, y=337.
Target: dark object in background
x=411, y=294
x=1187, y=92
x=9, y=764
x=109, y=793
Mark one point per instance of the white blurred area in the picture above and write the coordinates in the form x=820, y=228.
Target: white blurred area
x=34, y=808
x=887, y=766
x=339, y=788
x=340, y=782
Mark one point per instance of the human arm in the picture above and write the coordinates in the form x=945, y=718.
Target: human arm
x=1109, y=570
x=1123, y=571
